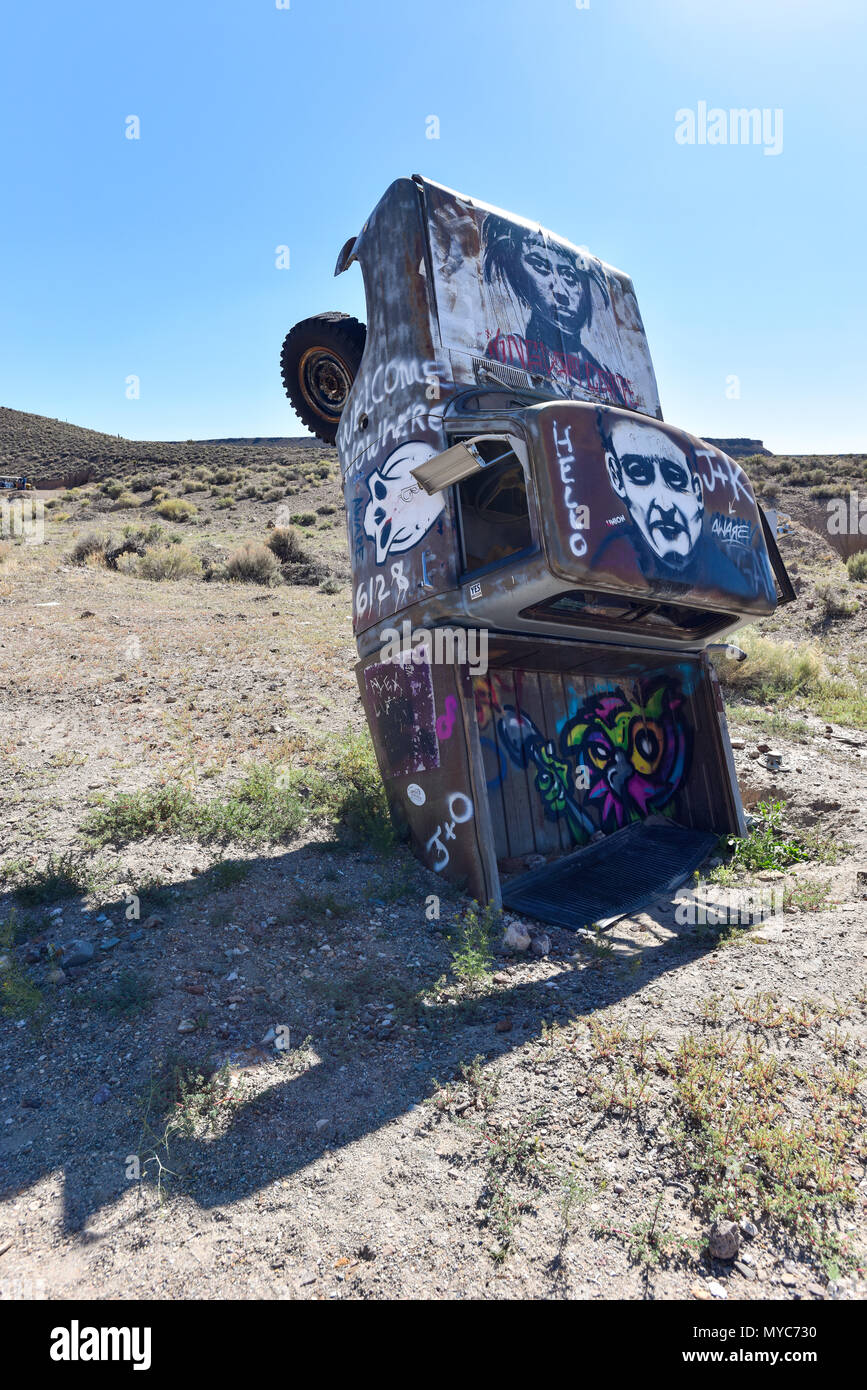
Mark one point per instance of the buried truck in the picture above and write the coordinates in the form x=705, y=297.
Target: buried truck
x=540, y=563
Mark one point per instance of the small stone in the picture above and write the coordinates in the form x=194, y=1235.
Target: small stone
x=186, y=1025
x=619, y=1188
x=503, y=1025
x=816, y=1290
x=516, y=939
x=321, y=1124
x=738, y=743
x=102, y=1095
x=108, y=943
x=724, y=1240
x=501, y=978
x=787, y=1279
x=541, y=945
x=623, y=1151
x=155, y=920
x=716, y=1289
x=78, y=953
x=535, y=861
x=744, y=1270
x=701, y=1293
x=55, y=975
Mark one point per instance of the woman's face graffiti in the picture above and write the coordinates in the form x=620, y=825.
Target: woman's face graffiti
x=556, y=288
x=656, y=480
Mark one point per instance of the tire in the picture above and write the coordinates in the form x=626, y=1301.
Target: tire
x=318, y=363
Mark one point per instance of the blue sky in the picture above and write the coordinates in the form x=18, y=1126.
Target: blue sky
x=263, y=127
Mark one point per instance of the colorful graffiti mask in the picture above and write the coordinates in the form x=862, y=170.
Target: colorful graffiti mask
x=400, y=512
x=633, y=751
x=621, y=758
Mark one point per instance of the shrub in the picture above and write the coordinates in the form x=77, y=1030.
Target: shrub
x=122, y=501
x=170, y=562
x=286, y=544
x=834, y=600
x=112, y=488
x=252, y=563
x=88, y=546
x=303, y=518
x=857, y=566
x=176, y=509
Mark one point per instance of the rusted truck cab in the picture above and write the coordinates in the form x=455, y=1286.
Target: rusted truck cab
x=539, y=565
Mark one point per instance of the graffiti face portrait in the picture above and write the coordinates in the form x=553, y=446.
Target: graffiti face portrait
x=548, y=279
x=553, y=285
x=400, y=512
x=662, y=490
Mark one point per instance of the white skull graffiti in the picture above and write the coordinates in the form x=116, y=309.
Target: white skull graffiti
x=400, y=512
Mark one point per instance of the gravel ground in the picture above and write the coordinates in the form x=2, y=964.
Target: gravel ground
x=365, y=1123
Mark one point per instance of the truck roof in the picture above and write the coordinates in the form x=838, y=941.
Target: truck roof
x=509, y=300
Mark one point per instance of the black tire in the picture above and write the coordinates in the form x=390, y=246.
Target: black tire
x=320, y=358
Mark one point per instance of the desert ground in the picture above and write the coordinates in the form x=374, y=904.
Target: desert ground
x=240, y=1058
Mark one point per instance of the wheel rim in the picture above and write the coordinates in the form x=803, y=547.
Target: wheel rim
x=325, y=381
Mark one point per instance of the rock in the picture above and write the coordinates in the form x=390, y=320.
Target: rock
x=55, y=975
x=102, y=1095
x=724, y=1240
x=503, y=1025
x=716, y=1289
x=501, y=978
x=78, y=953
x=186, y=1025
x=770, y=875
x=155, y=920
x=619, y=1188
x=816, y=1290
x=763, y=747
x=516, y=939
x=745, y=1270
x=535, y=861
x=541, y=945
x=738, y=743
x=623, y=1151
x=108, y=943
x=701, y=1293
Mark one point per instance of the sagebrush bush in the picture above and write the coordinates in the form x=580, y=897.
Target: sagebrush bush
x=834, y=600
x=86, y=546
x=857, y=566
x=286, y=544
x=176, y=509
x=252, y=563
x=170, y=562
